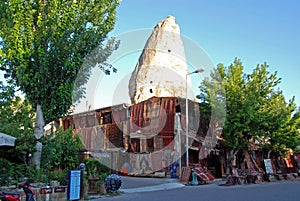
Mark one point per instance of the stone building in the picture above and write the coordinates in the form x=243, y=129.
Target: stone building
x=148, y=136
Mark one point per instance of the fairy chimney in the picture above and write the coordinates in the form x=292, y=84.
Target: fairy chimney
x=161, y=69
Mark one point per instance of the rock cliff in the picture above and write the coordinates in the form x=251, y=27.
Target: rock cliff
x=161, y=69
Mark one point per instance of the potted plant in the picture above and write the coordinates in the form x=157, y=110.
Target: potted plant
x=100, y=183
x=96, y=174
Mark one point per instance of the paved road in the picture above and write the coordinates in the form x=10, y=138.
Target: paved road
x=134, y=184
x=279, y=191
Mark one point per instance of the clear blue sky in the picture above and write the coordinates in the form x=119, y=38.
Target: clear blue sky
x=255, y=31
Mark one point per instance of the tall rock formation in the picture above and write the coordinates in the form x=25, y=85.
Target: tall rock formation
x=161, y=69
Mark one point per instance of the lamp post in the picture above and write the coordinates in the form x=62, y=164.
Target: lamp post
x=200, y=70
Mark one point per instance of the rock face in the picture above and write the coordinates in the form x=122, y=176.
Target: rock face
x=161, y=69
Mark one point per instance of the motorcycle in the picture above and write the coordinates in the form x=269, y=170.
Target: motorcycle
x=15, y=196
x=9, y=196
x=29, y=192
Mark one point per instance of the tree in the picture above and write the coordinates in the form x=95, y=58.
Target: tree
x=61, y=150
x=17, y=119
x=232, y=80
x=281, y=126
x=43, y=46
x=254, y=109
x=273, y=124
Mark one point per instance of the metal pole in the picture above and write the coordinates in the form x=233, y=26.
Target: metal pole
x=200, y=70
x=186, y=122
x=179, y=141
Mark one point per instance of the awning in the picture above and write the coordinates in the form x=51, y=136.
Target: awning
x=7, y=140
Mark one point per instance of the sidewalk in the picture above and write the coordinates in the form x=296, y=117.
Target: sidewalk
x=133, y=184
x=142, y=184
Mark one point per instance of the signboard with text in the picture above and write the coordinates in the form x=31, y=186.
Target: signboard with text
x=74, y=185
x=268, y=165
x=59, y=189
x=46, y=190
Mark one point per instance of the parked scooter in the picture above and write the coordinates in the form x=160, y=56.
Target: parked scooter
x=9, y=196
x=29, y=192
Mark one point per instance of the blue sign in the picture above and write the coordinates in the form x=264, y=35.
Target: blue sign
x=74, y=185
x=174, y=172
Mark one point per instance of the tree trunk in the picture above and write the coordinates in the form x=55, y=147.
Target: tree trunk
x=230, y=156
x=269, y=153
x=38, y=133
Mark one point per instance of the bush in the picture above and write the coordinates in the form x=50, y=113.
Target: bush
x=96, y=169
x=5, y=173
x=60, y=150
x=13, y=173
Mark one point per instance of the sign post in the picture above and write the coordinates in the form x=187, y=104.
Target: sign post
x=74, y=185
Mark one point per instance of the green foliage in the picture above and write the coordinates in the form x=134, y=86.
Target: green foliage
x=18, y=172
x=4, y=173
x=17, y=119
x=44, y=44
x=97, y=57
x=213, y=98
x=13, y=173
x=96, y=169
x=60, y=150
x=58, y=175
x=255, y=111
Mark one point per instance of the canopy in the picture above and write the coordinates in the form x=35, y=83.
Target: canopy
x=7, y=140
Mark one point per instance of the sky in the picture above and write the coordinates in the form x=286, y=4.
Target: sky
x=255, y=32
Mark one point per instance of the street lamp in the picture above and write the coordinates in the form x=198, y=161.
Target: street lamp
x=200, y=70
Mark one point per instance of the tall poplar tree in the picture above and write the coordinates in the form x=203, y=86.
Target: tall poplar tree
x=43, y=46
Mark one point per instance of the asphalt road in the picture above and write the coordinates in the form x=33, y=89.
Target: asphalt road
x=279, y=191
